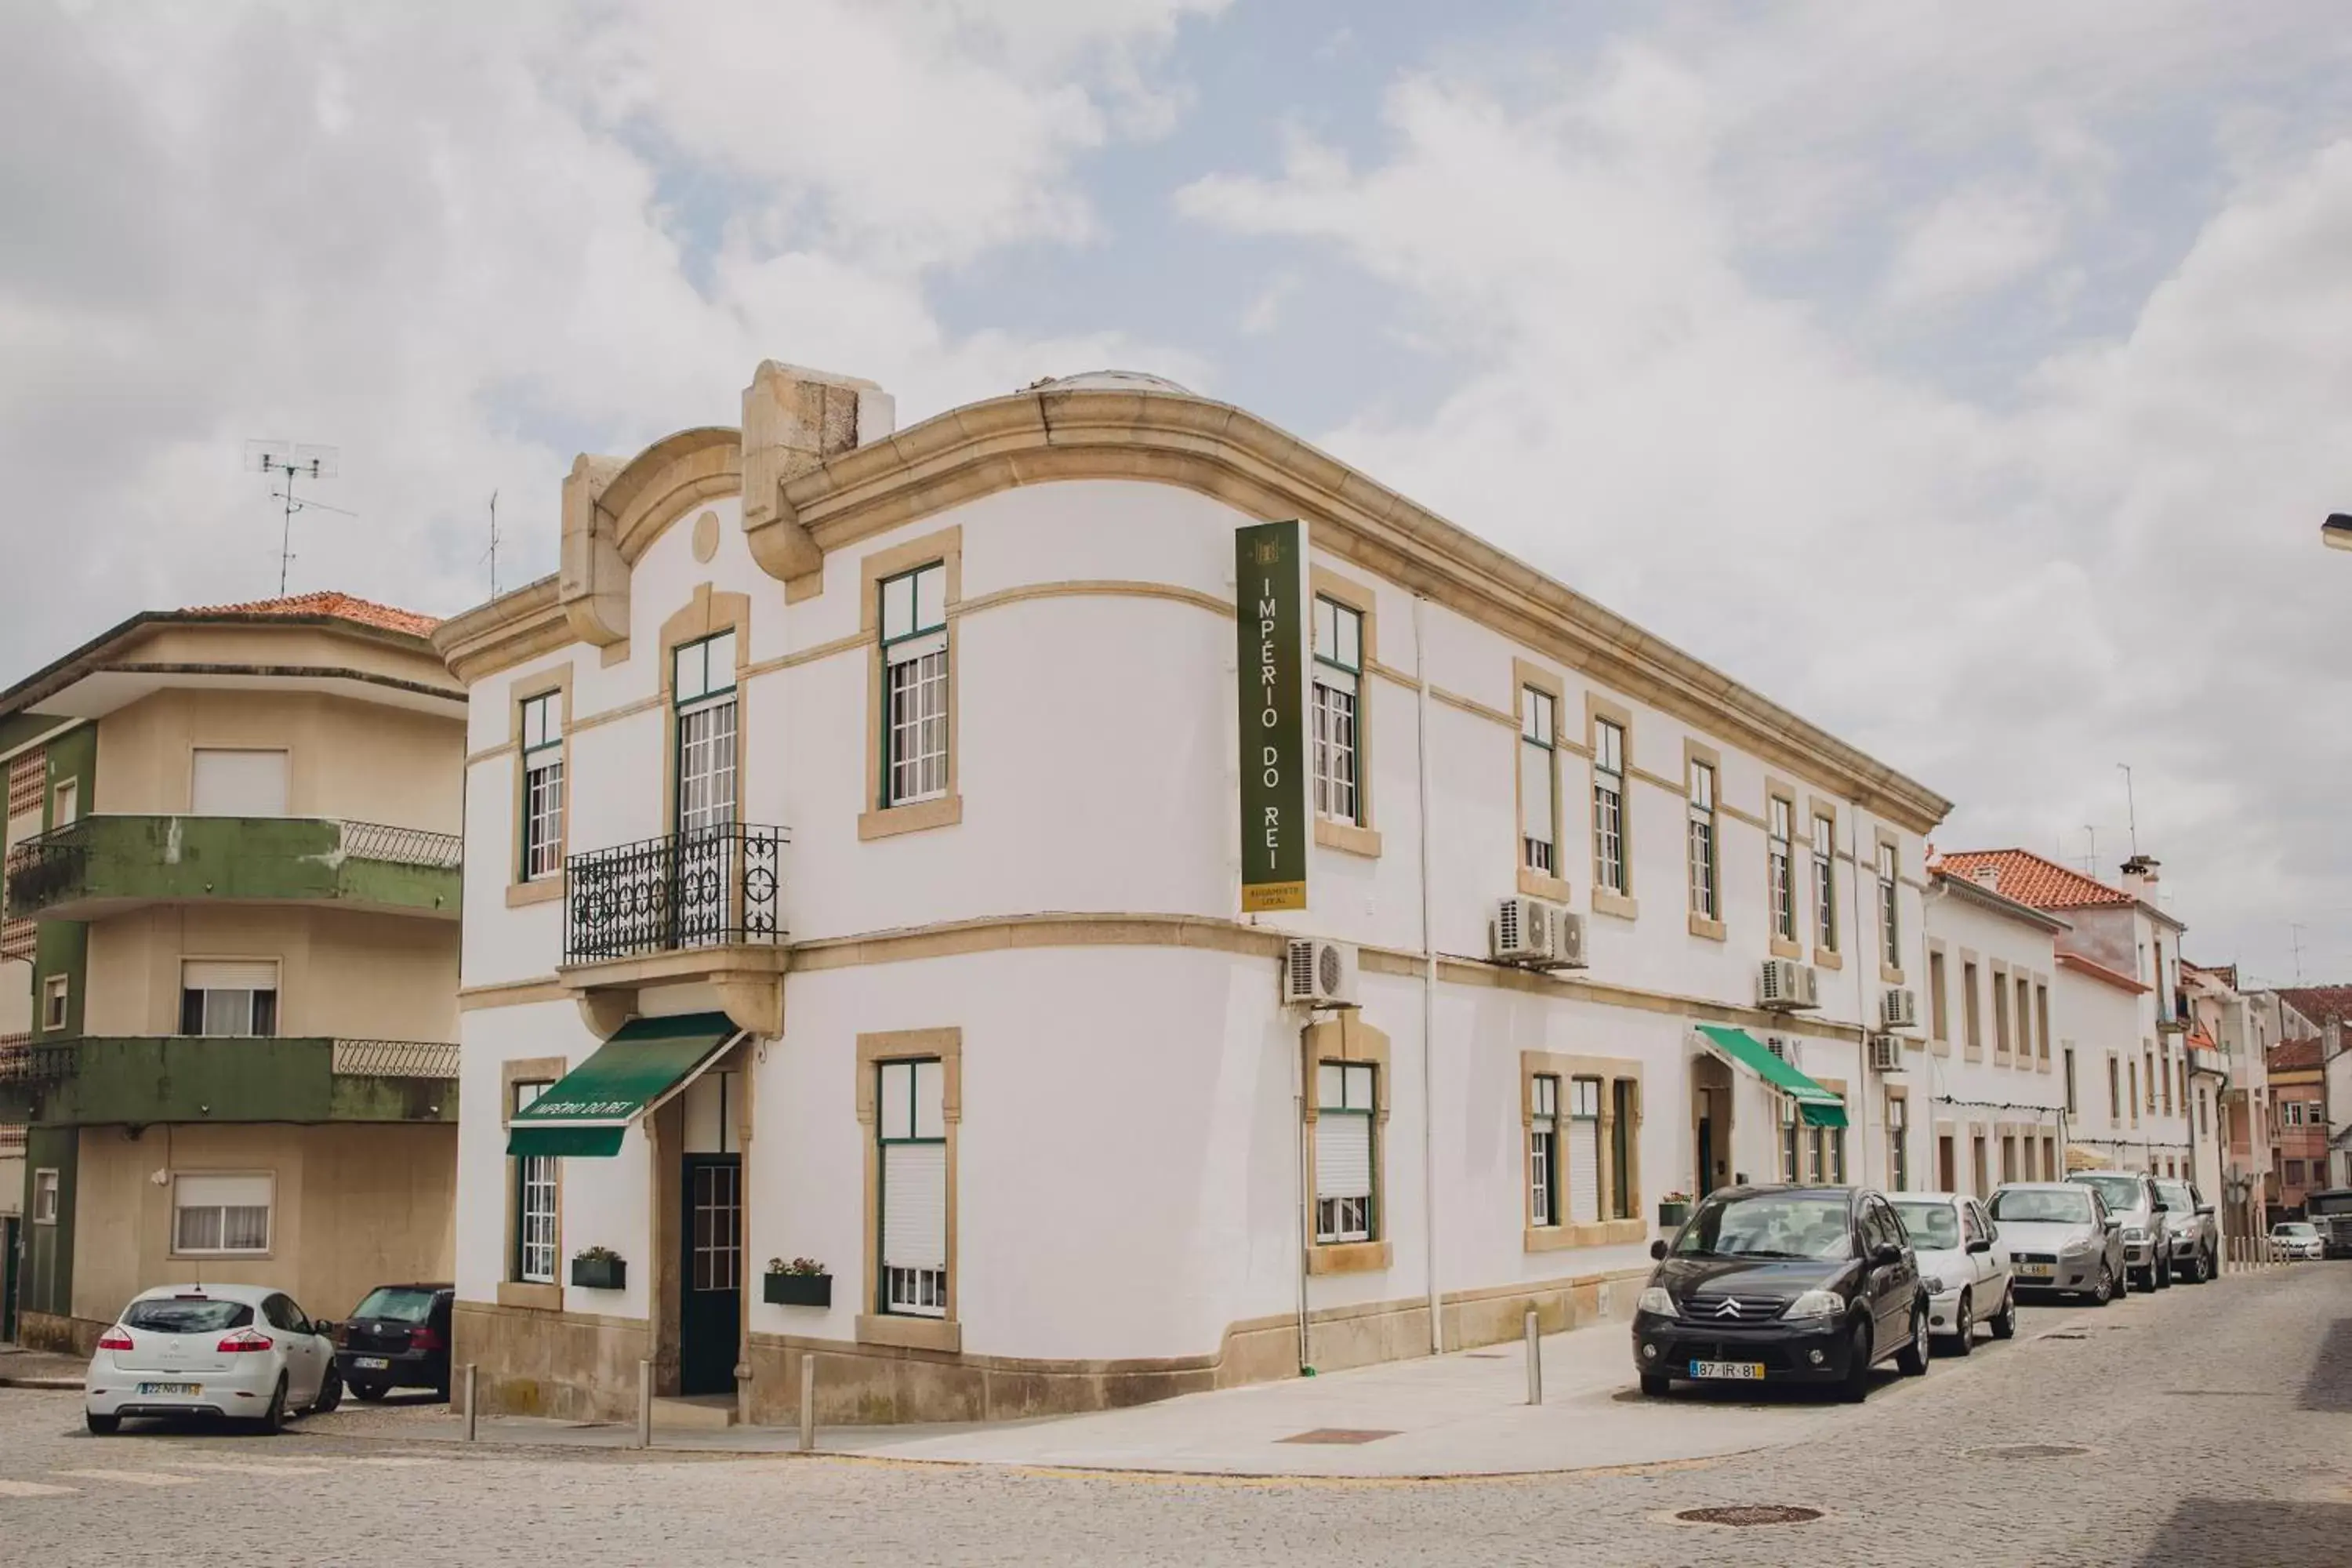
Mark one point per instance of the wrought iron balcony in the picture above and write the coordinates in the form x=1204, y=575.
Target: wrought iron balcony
x=719, y=886
x=105, y=865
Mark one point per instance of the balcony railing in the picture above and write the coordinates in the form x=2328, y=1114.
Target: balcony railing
x=43, y=868
x=708, y=887
x=402, y=846
x=23, y=1062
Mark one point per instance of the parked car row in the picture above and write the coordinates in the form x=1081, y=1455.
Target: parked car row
x=1819, y=1285
x=248, y=1352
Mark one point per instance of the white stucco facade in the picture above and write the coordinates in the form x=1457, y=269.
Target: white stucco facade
x=1128, y=1210
x=1996, y=1092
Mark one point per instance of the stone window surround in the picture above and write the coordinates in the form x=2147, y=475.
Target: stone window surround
x=1840, y=918
x=1886, y=837
x=1782, y=947
x=1971, y=1006
x=216, y=1255
x=1526, y=677
x=1360, y=837
x=706, y=614
x=1897, y=1094
x=2004, y=1032
x=56, y=1002
x=514, y=1292
x=557, y=683
x=1712, y=928
x=878, y=821
x=1820, y=1142
x=1624, y=905
x=1939, y=998
x=1604, y=1232
x=944, y=1046
x=1347, y=1039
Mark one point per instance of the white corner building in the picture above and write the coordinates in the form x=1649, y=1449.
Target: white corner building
x=855, y=873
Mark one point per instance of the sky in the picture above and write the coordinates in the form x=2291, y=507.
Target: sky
x=1971, y=380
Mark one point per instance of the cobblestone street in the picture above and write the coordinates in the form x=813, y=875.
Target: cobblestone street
x=2133, y=1439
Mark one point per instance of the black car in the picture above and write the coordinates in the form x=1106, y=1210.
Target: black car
x=1782, y=1285
x=398, y=1337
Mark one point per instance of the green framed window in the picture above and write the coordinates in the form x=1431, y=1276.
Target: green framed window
x=1890, y=924
x=542, y=786
x=1346, y=1113
x=1780, y=855
x=1704, y=901
x=914, y=619
x=911, y=1127
x=534, y=1202
x=1539, y=782
x=1608, y=805
x=1543, y=1150
x=1337, y=742
x=1825, y=918
x=702, y=692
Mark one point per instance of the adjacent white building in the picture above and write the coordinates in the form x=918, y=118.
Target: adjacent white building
x=854, y=875
x=2003, y=1086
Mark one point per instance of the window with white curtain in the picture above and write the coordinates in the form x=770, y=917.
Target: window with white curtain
x=228, y=996
x=911, y=1126
x=1539, y=782
x=915, y=685
x=1543, y=1150
x=220, y=1213
x=1584, y=1151
x=1337, y=742
x=1346, y=1103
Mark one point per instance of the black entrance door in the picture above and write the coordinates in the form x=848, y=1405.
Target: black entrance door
x=1705, y=1155
x=710, y=1276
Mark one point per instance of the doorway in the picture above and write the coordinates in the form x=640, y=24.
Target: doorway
x=711, y=1273
x=1710, y=1124
x=1947, y=1176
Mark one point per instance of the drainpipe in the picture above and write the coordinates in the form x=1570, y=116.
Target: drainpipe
x=1860, y=983
x=1428, y=993
x=1306, y=1193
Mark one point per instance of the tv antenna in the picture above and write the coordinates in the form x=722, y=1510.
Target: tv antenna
x=492, y=556
x=286, y=460
x=2132, y=807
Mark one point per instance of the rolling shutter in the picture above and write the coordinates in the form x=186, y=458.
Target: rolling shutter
x=1343, y=1155
x=228, y=974
x=1584, y=1171
x=238, y=783
x=914, y=1205
x=1535, y=792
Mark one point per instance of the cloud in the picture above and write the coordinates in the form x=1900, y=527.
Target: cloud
x=1971, y=242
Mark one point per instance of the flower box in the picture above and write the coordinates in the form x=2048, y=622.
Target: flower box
x=1671, y=1216
x=797, y=1290
x=600, y=1273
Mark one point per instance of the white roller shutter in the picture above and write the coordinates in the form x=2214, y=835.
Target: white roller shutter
x=228, y=974
x=1584, y=1171
x=1343, y=1156
x=914, y=1205
x=1535, y=792
x=238, y=783
x=222, y=1192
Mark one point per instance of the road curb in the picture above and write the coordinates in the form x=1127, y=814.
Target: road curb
x=57, y=1384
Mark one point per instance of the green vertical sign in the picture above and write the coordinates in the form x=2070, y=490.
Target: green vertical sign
x=1270, y=612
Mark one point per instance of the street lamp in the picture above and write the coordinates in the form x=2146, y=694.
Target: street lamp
x=2337, y=531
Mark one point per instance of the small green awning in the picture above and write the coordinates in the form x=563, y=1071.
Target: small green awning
x=586, y=1112
x=1818, y=1107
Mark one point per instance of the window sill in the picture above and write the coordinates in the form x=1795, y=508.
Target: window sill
x=1828, y=958
x=1349, y=1257
x=1624, y=906
x=1940, y=1047
x=2001, y=1059
x=537, y=1297
x=1347, y=837
x=1536, y=884
x=2042, y=1064
x=542, y=890
x=1972, y=1054
x=1889, y=976
x=911, y=1333
x=1600, y=1233
x=1783, y=947
x=922, y=815
x=1702, y=926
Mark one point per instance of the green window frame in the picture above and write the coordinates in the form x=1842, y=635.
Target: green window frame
x=536, y=1189
x=912, y=610
x=1347, y=1153
x=541, y=851
x=910, y=1128
x=1336, y=712
x=1539, y=782
x=1543, y=1150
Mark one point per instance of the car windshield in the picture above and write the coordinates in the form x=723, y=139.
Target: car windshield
x=1932, y=1225
x=2121, y=1192
x=186, y=1315
x=1771, y=1225
x=2297, y=1230
x=2177, y=1196
x=395, y=1304
x=2046, y=1205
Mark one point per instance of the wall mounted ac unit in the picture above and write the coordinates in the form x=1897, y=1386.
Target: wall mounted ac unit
x=1777, y=1045
x=1899, y=1008
x=1784, y=985
x=1319, y=974
x=1567, y=941
x=1523, y=930
x=1886, y=1054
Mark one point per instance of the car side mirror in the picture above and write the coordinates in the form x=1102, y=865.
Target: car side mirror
x=1887, y=1252
x=2205, y=1208
x=1981, y=1244
x=1658, y=1249
x=2162, y=1208
x=2113, y=1222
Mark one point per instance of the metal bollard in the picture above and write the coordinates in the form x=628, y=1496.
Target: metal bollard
x=644, y=1405
x=473, y=1399
x=808, y=1402
x=1535, y=1360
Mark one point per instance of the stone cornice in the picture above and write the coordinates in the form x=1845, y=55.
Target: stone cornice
x=519, y=625
x=1984, y=897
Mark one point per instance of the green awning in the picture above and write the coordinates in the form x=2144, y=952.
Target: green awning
x=1819, y=1106
x=588, y=1109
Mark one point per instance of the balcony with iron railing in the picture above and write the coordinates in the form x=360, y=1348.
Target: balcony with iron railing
x=704, y=904
x=141, y=1080
x=106, y=865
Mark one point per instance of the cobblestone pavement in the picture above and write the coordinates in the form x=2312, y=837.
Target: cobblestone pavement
x=2208, y=1426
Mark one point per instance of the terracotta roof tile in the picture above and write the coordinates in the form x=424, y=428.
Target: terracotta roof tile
x=338, y=607
x=2321, y=1004
x=2029, y=879
x=2101, y=971
x=2293, y=1055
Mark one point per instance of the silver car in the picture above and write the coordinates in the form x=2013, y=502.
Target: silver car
x=2060, y=1240
x=1963, y=1266
x=2297, y=1238
x=2192, y=1237
x=2131, y=1198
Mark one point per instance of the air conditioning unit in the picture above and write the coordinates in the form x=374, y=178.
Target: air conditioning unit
x=1568, y=939
x=1777, y=1045
x=1524, y=930
x=1899, y=1008
x=1784, y=985
x=1885, y=1053
x=1319, y=974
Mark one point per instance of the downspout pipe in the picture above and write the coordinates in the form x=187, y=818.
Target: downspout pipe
x=1428, y=991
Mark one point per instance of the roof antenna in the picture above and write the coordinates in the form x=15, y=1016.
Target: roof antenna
x=2090, y=855
x=2132, y=809
x=493, y=555
x=294, y=462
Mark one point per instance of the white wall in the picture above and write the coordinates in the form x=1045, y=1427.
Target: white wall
x=1967, y=1094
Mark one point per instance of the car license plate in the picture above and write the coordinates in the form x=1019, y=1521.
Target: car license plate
x=369, y=1362
x=2035, y=1270
x=189, y=1389
x=1736, y=1370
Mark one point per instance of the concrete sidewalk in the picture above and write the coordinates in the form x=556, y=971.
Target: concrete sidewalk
x=21, y=1368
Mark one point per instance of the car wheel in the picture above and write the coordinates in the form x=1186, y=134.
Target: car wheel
x=369, y=1392
x=1856, y=1387
x=101, y=1426
x=2164, y=1275
x=2104, y=1291
x=2204, y=1271
x=1964, y=1319
x=1913, y=1357
x=272, y=1421
x=330, y=1392
x=2004, y=1322
x=1655, y=1385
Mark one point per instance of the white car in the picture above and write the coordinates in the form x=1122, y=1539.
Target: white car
x=244, y=1352
x=1963, y=1266
x=2297, y=1238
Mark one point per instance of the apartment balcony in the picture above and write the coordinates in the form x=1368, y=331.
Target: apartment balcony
x=704, y=906
x=199, y=1078
x=103, y=866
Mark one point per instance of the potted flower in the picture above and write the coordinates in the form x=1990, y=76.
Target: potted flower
x=1673, y=1209
x=599, y=1269
x=802, y=1283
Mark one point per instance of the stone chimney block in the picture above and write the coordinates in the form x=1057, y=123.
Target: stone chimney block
x=794, y=419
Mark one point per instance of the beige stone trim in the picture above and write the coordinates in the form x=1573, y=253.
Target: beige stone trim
x=749, y=978
x=537, y=1297
x=1784, y=949
x=1621, y=901
x=1525, y=678
x=1350, y=1256
x=546, y=889
x=517, y=627
x=1610, y=1071
x=1828, y=959
x=1832, y=956
x=1536, y=884
x=904, y=1045
x=490, y=753
x=1615, y=904
x=625, y=710
x=1454, y=700
x=1322, y=583
x=512, y=993
x=1890, y=975
x=1713, y=930
x=1348, y=1039
x=1792, y=946
x=706, y=614
x=1099, y=588
x=555, y=683
x=946, y=547
x=1346, y=837
x=1659, y=781
x=514, y=1292
x=614, y=653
